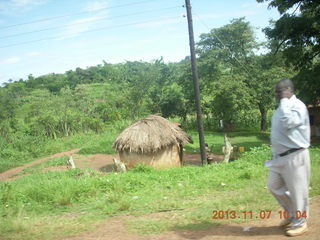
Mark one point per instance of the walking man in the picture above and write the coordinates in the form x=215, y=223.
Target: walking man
x=290, y=165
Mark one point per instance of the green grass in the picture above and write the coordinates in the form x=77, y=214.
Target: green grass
x=27, y=149
x=215, y=140
x=33, y=149
x=36, y=206
x=38, y=168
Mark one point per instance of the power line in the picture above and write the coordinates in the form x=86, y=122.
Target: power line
x=240, y=64
x=94, y=30
x=98, y=20
x=73, y=14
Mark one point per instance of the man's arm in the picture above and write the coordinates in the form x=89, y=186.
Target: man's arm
x=291, y=117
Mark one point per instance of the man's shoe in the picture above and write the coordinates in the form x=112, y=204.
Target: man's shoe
x=285, y=223
x=296, y=231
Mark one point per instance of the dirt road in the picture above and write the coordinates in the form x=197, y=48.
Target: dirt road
x=116, y=229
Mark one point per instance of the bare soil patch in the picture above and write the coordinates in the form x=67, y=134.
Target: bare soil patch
x=101, y=162
x=7, y=175
x=267, y=229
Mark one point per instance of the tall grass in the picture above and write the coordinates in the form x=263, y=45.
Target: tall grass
x=26, y=148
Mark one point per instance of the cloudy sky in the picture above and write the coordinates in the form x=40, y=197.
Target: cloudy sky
x=53, y=36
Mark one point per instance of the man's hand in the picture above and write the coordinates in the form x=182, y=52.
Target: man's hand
x=283, y=93
x=287, y=93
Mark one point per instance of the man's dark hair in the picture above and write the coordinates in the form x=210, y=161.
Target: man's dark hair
x=286, y=83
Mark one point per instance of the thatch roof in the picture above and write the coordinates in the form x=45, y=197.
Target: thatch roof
x=150, y=134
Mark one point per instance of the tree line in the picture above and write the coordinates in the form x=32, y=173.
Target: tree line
x=236, y=81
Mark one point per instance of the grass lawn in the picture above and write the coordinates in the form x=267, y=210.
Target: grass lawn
x=56, y=204
x=215, y=140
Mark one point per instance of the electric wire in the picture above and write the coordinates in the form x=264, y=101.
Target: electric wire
x=97, y=20
x=73, y=14
x=93, y=30
x=222, y=43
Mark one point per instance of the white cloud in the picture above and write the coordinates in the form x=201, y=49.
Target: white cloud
x=96, y=6
x=78, y=26
x=13, y=6
x=11, y=60
x=26, y=2
x=33, y=54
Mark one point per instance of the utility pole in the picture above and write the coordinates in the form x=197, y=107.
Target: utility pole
x=196, y=84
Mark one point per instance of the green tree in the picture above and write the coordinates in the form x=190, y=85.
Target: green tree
x=232, y=44
x=11, y=97
x=264, y=72
x=230, y=98
x=138, y=77
x=184, y=80
x=171, y=100
x=165, y=95
x=224, y=54
x=297, y=35
x=237, y=78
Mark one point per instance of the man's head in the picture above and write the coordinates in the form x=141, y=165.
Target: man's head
x=284, y=89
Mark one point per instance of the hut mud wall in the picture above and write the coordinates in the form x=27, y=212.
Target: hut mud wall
x=314, y=113
x=165, y=158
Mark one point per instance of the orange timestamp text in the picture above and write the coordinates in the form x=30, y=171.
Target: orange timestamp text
x=263, y=214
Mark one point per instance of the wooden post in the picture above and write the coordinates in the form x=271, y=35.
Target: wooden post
x=71, y=162
x=227, y=149
x=196, y=84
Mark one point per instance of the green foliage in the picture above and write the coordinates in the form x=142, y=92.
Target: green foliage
x=224, y=53
x=235, y=79
x=26, y=148
x=265, y=71
x=171, y=100
x=230, y=43
x=296, y=35
x=55, y=162
x=230, y=98
x=142, y=168
x=100, y=143
x=307, y=83
x=299, y=30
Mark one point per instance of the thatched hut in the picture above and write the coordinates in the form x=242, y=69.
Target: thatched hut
x=154, y=141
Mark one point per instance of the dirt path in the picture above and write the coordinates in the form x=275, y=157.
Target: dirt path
x=8, y=174
x=101, y=162
x=115, y=228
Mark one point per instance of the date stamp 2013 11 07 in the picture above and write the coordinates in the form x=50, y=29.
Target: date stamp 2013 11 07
x=263, y=214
